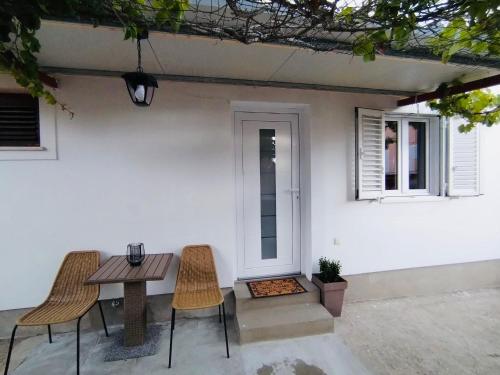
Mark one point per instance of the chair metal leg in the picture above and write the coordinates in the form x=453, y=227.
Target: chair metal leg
x=10, y=349
x=220, y=318
x=225, y=328
x=50, y=333
x=173, y=319
x=103, y=320
x=172, y=323
x=78, y=347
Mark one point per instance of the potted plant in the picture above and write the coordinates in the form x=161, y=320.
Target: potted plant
x=331, y=285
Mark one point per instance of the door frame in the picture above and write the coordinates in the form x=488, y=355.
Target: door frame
x=304, y=243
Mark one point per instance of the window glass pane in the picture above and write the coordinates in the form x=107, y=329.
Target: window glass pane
x=417, y=154
x=391, y=155
x=267, y=138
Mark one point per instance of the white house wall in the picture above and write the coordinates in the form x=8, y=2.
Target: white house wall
x=164, y=175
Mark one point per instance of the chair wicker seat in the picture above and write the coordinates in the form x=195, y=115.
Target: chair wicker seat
x=54, y=312
x=197, y=286
x=198, y=299
x=69, y=298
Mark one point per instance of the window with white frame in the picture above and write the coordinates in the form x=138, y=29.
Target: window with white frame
x=410, y=149
x=409, y=155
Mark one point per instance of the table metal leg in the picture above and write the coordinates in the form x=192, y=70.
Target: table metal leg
x=135, y=313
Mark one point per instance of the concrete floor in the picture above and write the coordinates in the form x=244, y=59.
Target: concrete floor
x=199, y=348
x=455, y=334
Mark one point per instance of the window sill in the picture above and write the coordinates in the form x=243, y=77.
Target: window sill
x=413, y=199
x=7, y=148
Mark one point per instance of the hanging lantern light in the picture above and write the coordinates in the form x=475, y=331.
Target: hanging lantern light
x=141, y=86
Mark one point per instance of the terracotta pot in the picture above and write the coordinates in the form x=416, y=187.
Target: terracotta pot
x=332, y=294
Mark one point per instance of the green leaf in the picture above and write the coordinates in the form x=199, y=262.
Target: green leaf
x=364, y=47
x=453, y=49
x=380, y=36
x=346, y=14
x=475, y=107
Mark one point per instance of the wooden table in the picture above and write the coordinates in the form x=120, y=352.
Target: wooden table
x=117, y=270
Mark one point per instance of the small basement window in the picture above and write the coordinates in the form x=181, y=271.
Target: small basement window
x=19, y=121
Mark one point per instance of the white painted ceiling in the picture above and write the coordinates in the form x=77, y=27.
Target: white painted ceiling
x=81, y=46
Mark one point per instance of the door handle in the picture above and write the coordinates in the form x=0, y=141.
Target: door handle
x=294, y=191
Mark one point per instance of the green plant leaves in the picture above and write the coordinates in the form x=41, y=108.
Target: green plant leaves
x=329, y=270
x=476, y=31
x=475, y=107
x=364, y=46
x=170, y=12
x=131, y=31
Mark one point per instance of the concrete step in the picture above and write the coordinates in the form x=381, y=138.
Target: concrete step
x=245, y=302
x=281, y=322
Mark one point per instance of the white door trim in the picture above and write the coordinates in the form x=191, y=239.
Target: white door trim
x=302, y=111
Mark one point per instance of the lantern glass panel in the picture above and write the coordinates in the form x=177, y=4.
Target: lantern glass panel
x=150, y=92
x=131, y=91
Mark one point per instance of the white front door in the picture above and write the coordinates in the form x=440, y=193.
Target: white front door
x=269, y=194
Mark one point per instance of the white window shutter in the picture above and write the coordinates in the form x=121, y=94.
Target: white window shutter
x=370, y=153
x=463, y=158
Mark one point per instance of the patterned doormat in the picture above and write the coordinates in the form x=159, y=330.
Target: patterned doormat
x=275, y=287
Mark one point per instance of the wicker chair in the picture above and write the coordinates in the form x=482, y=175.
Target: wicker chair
x=68, y=300
x=197, y=286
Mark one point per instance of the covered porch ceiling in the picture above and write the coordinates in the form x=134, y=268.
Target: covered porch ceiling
x=75, y=48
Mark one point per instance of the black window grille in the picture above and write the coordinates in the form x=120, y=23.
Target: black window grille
x=19, y=121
